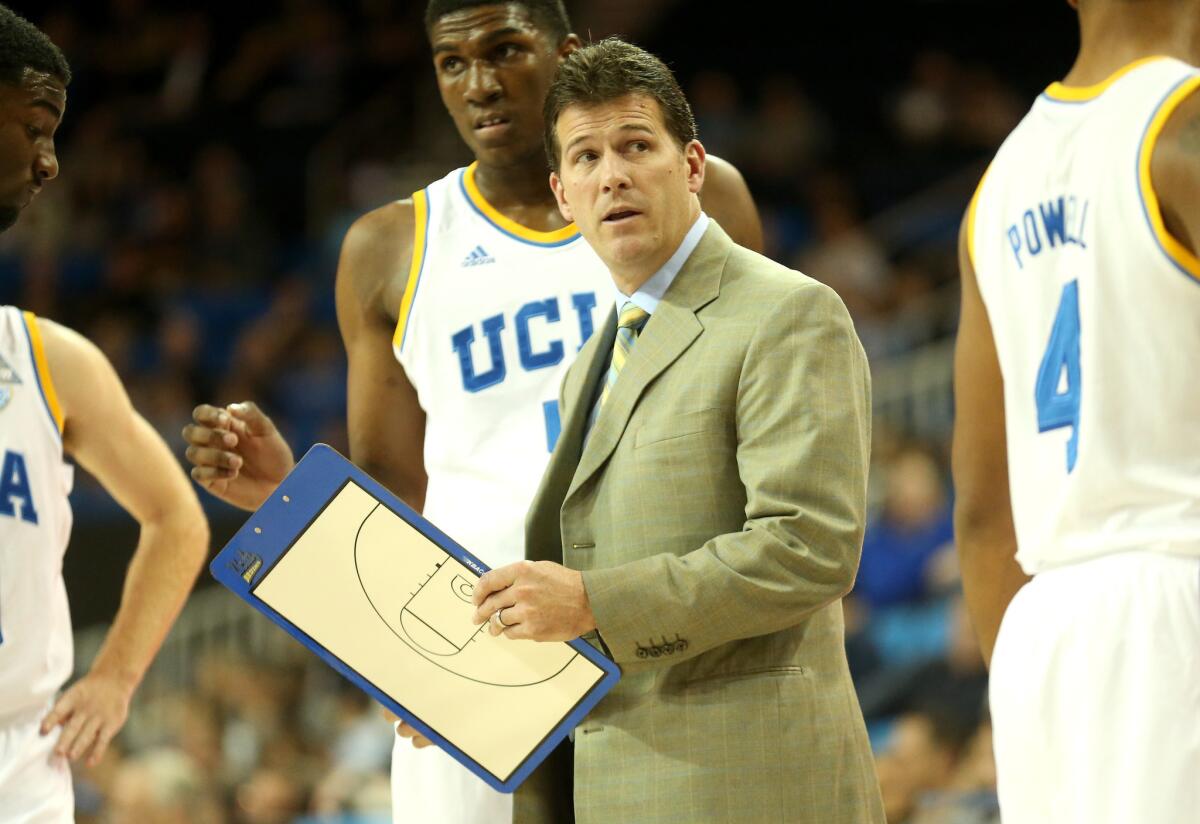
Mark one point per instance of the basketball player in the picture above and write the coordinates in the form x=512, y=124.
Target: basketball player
x=460, y=310
x=60, y=396
x=1077, y=442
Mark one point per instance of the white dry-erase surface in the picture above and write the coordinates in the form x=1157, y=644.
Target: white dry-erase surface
x=385, y=598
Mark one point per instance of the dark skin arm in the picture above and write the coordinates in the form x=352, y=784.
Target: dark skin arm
x=726, y=199
x=384, y=419
x=1175, y=172
x=983, y=525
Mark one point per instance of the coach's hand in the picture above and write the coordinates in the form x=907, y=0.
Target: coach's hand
x=91, y=712
x=237, y=452
x=537, y=600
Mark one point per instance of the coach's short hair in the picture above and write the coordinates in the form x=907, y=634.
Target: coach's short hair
x=609, y=70
x=24, y=46
x=547, y=14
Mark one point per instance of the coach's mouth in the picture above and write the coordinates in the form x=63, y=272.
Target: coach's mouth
x=620, y=214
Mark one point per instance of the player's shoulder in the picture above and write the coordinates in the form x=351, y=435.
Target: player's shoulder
x=391, y=224
x=376, y=254
x=1177, y=148
x=1175, y=163
x=721, y=172
x=65, y=345
x=78, y=370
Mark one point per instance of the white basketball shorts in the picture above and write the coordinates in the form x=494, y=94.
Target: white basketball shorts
x=35, y=785
x=430, y=787
x=1095, y=694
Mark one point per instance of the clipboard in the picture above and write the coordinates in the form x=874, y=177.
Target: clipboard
x=383, y=596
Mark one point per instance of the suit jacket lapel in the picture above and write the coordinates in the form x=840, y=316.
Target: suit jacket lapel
x=669, y=332
x=583, y=393
x=542, y=521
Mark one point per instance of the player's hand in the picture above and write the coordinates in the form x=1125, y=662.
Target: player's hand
x=237, y=453
x=91, y=712
x=537, y=600
x=419, y=741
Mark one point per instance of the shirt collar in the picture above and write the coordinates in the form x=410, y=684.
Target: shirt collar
x=652, y=291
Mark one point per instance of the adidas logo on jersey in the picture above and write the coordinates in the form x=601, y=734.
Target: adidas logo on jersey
x=7, y=373
x=478, y=257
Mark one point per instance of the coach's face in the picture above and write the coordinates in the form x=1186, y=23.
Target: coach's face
x=29, y=115
x=627, y=183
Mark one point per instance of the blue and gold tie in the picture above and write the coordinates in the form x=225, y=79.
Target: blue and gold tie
x=629, y=325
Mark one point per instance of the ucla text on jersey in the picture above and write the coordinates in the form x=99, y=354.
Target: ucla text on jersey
x=530, y=356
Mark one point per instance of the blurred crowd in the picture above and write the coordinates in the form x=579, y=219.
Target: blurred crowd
x=249, y=743
x=212, y=159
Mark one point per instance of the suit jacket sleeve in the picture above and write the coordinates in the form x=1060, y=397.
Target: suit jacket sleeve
x=803, y=441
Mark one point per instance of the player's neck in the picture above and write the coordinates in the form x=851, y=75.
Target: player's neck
x=521, y=192
x=1119, y=35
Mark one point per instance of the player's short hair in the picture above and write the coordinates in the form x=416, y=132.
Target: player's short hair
x=609, y=70
x=546, y=14
x=24, y=46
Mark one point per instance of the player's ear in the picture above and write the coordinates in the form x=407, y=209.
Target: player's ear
x=570, y=43
x=560, y=195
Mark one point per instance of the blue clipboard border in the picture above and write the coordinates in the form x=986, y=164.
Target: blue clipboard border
x=298, y=501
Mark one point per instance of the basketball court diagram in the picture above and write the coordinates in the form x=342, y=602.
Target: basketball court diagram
x=423, y=595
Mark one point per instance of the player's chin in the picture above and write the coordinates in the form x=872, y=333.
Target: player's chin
x=507, y=151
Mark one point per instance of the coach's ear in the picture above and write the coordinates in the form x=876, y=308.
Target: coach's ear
x=560, y=195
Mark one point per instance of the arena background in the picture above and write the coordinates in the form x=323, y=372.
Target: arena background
x=211, y=158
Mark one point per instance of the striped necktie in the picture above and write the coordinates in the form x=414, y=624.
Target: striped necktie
x=629, y=324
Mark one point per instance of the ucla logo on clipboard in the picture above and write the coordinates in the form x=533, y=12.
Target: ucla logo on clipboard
x=246, y=564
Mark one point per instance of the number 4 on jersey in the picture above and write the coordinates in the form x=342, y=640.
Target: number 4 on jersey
x=1058, y=389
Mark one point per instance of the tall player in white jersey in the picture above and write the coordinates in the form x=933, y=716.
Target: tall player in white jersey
x=460, y=310
x=59, y=396
x=1077, y=441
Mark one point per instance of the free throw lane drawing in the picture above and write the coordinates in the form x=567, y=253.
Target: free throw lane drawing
x=432, y=614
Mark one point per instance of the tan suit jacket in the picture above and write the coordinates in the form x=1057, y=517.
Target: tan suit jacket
x=717, y=514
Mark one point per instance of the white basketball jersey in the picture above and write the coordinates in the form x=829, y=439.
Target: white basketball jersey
x=492, y=316
x=1095, y=311
x=35, y=523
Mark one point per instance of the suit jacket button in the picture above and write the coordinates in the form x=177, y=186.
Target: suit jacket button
x=681, y=645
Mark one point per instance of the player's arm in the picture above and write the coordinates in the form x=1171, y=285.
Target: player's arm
x=726, y=199
x=983, y=525
x=107, y=437
x=1175, y=173
x=385, y=420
